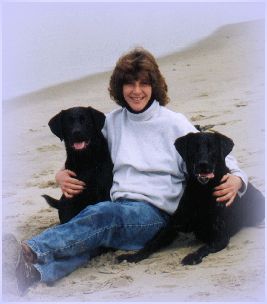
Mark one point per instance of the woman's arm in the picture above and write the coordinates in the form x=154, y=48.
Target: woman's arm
x=70, y=186
x=231, y=184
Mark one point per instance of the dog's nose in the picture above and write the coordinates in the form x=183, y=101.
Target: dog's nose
x=203, y=166
x=76, y=134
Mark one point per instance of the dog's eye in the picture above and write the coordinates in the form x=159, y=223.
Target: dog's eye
x=71, y=120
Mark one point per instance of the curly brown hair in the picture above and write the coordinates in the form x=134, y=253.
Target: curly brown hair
x=133, y=65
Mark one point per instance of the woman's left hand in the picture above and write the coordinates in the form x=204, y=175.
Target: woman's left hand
x=227, y=190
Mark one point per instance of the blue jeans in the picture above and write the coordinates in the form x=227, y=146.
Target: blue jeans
x=123, y=224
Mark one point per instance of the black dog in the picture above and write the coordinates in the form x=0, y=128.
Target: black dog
x=212, y=223
x=87, y=155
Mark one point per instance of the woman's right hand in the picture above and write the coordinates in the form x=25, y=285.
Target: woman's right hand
x=70, y=186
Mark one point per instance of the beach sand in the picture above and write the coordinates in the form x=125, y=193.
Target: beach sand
x=217, y=83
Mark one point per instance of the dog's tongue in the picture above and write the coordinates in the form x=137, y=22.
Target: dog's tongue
x=206, y=175
x=79, y=145
x=204, y=178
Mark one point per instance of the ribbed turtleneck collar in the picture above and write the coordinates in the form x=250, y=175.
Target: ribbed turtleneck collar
x=146, y=115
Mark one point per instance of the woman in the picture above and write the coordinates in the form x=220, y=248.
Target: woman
x=149, y=178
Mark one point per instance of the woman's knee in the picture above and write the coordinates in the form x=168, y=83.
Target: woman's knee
x=100, y=214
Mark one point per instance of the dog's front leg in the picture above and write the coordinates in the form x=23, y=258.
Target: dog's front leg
x=196, y=256
x=219, y=239
x=163, y=238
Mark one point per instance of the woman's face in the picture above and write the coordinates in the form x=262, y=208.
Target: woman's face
x=137, y=93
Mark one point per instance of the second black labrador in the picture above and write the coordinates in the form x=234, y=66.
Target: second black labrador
x=87, y=155
x=212, y=222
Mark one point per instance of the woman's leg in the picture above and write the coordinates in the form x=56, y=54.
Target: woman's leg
x=252, y=205
x=122, y=225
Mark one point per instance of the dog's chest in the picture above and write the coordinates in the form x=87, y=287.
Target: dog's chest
x=203, y=204
x=88, y=175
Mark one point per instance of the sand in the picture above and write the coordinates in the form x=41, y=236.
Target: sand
x=217, y=83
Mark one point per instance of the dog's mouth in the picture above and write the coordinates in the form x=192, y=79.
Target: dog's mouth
x=204, y=178
x=79, y=146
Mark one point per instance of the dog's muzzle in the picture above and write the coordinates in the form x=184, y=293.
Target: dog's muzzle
x=79, y=146
x=204, y=178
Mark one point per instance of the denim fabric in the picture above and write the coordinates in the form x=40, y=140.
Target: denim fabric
x=124, y=224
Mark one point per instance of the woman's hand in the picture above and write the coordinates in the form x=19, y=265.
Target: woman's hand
x=227, y=190
x=69, y=185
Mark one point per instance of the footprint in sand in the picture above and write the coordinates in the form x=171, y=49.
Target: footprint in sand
x=204, y=128
x=204, y=94
x=37, y=130
x=49, y=148
x=43, y=173
x=241, y=104
x=48, y=184
x=43, y=184
x=202, y=117
x=116, y=282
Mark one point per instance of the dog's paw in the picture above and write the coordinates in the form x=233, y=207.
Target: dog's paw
x=191, y=259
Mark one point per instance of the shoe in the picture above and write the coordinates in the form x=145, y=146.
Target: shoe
x=26, y=274
x=29, y=255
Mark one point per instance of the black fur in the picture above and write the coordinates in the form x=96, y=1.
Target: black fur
x=212, y=223
x=90, y=161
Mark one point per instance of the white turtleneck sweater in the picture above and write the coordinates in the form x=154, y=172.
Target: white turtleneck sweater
x=147, y=166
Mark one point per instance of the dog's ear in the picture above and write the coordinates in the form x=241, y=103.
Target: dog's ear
x=98, y=118
x=181, y=145
x=226, y=144
x=55, y=124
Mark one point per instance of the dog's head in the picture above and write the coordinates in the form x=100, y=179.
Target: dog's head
x=77, y=126
x=203, y=152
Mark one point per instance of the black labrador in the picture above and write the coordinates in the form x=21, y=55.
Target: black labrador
x=87, y=155
x=212, y=222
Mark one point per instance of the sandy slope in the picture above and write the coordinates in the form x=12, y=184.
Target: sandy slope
x=218, y=83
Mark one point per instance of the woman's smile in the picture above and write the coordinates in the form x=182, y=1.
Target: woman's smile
x=137, y=94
